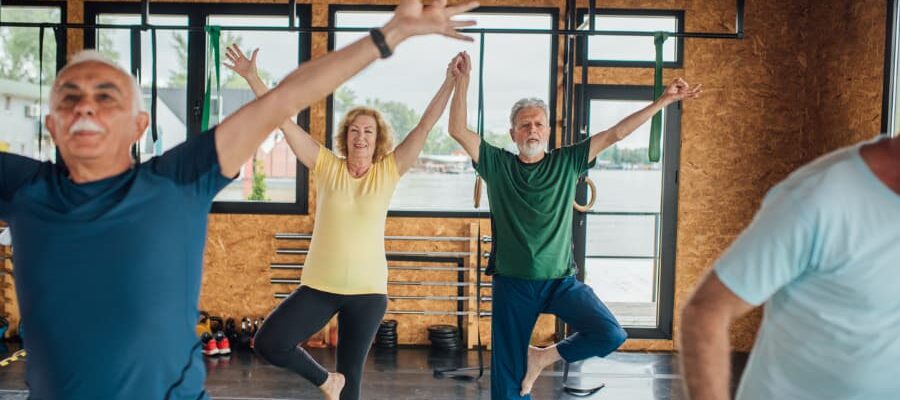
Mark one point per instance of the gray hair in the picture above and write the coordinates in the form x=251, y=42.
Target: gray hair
x=91, y=55
x=526, y=103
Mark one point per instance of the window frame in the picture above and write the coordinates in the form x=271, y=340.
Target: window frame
x=62, y=40
x=623, y=12
x=197, y=14
x=667, y=234
x=891, y=91
x=333, y=9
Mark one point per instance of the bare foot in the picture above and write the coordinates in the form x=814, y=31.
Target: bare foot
x=333, y=386
x=538, y=359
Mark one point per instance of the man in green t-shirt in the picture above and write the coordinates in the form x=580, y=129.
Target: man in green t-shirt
x=531, y=197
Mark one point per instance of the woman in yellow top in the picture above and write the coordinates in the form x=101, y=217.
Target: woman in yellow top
x=345, y=272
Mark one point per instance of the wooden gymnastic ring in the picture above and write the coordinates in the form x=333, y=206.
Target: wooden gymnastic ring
x=590, y=203
x=478, y=184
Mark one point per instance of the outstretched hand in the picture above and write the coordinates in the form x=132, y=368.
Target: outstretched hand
x=415, y=19
x=240, y=64
x=680, y=90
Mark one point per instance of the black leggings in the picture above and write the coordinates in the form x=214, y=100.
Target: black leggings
x=306, y=312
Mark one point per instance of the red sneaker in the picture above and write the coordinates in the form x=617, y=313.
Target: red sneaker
x=209, y=345
x=222, y=343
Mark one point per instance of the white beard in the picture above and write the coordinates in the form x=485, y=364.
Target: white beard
x=531, y=150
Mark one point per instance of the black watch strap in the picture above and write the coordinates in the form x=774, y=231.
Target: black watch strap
x=380, y=42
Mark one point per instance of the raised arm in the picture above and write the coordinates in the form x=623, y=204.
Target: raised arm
x=469, y=140
x=678, y=90
x=408, y=151
x=705, y=346
x=239, y=135
x=302, y=144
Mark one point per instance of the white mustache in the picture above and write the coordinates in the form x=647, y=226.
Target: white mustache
x=85, y=124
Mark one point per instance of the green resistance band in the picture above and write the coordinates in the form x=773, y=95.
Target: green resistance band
x=480, y=116
x=214, y=33
x=656, y=124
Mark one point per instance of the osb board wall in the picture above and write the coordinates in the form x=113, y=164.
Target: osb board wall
x=741, y=138
x=847, y=69
x=765, y=112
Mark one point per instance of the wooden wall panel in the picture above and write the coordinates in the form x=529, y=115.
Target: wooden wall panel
x=807, y=79
x=847, y=69
x=740, y=139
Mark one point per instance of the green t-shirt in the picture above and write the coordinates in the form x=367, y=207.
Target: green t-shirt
x=532, y=209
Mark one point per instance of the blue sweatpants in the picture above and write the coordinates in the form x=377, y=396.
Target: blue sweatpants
x=516, y=306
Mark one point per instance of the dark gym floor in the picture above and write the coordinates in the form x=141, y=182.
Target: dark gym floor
x=406, y=374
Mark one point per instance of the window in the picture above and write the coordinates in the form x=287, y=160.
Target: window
x=272, y=181
x=25, y=89
x=515, y=66
x=271, y=174
x=629, y=235
x=632, y=51
x=171, y=62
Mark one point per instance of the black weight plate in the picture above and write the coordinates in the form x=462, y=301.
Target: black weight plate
x=442, y=329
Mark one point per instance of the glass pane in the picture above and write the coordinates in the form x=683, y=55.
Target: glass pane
x=23, y=102
x=515, y=66
x=622, y=229
x=171, y=62
x=271, y=175
x=626, y=286
x=631, y=48
x=621, y=235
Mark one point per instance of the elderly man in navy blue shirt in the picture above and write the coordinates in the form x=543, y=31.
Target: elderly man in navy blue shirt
x=114, y=247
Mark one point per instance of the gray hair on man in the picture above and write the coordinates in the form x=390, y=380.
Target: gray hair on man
x=526, y=103
x=91, y=55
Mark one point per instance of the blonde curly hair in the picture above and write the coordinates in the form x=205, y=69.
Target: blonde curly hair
x=384, y=136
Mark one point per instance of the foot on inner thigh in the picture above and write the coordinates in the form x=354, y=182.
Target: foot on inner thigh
x=538, y=359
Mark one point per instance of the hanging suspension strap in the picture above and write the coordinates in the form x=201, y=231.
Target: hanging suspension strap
x=583, y=133
x=136, y=72
x=456, y=373
x=479, y=183
x=40, y=132
x=214, y=33
x=656, y=123
x=577, y=392
x=154, y=94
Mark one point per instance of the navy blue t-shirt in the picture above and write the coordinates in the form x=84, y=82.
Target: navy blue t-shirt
x=108, y=273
